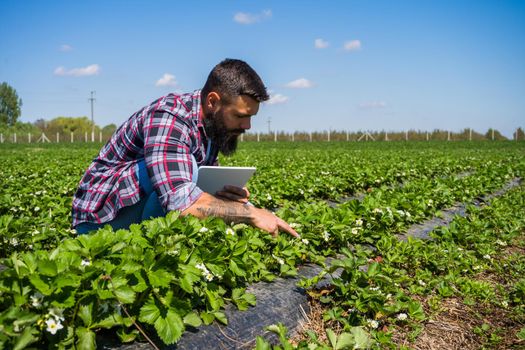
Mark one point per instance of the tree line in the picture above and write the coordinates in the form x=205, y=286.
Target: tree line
x=10, y=111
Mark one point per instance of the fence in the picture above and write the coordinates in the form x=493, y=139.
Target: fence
x=409, y=135
x=298, y=136
x=55, y=138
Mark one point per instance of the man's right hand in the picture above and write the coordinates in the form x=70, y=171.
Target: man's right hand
x=269, y=222
x=237, y=212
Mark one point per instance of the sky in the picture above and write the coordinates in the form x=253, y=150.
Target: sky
x=328, y=65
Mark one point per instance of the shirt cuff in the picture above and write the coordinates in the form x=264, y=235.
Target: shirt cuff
x=182, y=197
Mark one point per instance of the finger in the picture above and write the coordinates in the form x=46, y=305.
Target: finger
x=232, y=197
x=247, y=192
x=283, y=225
x=234, y=189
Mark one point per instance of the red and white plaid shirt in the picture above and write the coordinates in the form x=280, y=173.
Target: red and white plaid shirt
x=165, y=134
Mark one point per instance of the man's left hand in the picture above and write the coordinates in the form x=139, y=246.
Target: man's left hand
x=234, y=193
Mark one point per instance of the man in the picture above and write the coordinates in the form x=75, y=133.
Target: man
x=150, y=164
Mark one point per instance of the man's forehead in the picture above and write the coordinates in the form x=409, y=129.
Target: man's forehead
x=246, y=104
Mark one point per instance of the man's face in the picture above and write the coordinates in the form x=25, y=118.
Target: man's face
x=229, y=121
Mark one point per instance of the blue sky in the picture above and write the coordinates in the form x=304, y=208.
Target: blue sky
x=339, y=65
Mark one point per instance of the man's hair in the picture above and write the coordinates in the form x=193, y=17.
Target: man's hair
x=232, y=78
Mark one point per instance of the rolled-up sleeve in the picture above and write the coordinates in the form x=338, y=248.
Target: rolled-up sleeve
x=168, y=158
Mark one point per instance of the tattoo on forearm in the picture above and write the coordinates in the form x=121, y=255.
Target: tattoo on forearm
x=228, y=211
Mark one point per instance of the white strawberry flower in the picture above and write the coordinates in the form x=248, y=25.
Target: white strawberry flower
x=501, y=243
x=36, y=299
x=326, y=236
x=173, y=252
x=57, y=314
x=203, y=229
x=53, y=326
x=269, y=197
x=85, y=262
x=230, y=231
x=402, y=316
x=359, y=222
x=355, y=230
x=305, y=241
x=205, y=272
x=279, y=260
x=373, y=324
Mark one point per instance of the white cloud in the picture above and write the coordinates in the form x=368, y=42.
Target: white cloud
x=277, y=99
x=300, y=83
x=93, y=69
x=66, y=48
x=372, y=105
x=166, y=80
x=353, y=45
x=249, y=18
x=321, y=44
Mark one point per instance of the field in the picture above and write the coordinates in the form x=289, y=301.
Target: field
x=461, y=285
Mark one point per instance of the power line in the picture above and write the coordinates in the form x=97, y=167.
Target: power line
x=92, y=99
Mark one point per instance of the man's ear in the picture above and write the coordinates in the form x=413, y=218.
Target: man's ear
x=213, y=101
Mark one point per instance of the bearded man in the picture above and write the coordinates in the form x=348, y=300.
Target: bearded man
x=150, y=165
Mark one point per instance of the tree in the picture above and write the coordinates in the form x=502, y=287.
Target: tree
x=109, y=129
x=10, y=105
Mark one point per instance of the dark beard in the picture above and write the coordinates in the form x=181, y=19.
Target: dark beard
x=220, y=135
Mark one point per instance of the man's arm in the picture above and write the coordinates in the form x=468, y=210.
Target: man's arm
x=237, y=212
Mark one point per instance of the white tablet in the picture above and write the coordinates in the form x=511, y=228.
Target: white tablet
x=213, y=178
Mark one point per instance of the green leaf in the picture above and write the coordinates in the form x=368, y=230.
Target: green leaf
x=213, y=300
x=207, y=317
x=39, y=284
x=262, y=344
x=192, y=319
x=521, y=334
x=345, y=341
x=159, y=278
x=235, y=269
x=186, y=283
x=221, y=317
x=84, y=312
x=361, y=338
x=27, y=337
x=149, y=312
x=415, y=310
x=169, y=328
x=86, y=339
x=108, y=322
x=240, y=248
x=331, y=337
x=127, y=337
x=47, y=268
x=125, y=294
x=250, y=298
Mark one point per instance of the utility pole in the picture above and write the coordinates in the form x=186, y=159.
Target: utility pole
x=269, y=125
x=92, y=99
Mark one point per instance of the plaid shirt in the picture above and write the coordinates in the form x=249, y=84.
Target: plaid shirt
x=165, y=134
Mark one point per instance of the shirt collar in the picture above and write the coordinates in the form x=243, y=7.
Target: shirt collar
x=197, y=111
